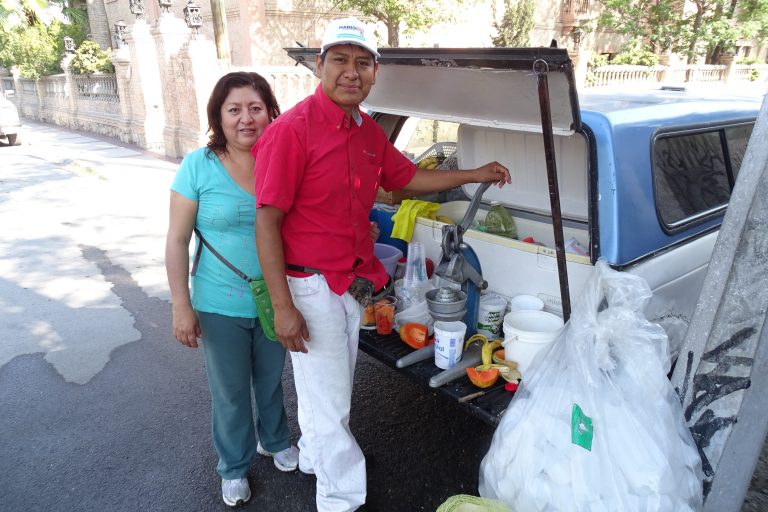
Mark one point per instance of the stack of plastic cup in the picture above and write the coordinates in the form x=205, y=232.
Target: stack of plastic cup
x=415, y=280
x=415, y=266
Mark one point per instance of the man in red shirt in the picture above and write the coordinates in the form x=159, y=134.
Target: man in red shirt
x=318, y=167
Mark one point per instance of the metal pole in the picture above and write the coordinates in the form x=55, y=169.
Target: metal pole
x=722, y=371
x=540, y=67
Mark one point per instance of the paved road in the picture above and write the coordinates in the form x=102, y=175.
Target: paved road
x=100, y=409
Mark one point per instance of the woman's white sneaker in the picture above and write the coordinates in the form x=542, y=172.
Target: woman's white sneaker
x=235, y=492
x=285, y=460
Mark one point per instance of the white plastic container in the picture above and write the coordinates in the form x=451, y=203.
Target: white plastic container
x=388, y=255
x=449, y=343
x=490, y=315
x=526, y=333
x=526, y=302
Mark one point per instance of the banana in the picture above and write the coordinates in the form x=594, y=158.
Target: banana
x=429, y=162
x=508, y=370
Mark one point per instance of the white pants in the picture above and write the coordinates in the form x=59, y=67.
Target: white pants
x=323, y=378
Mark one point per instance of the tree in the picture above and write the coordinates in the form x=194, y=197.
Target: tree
x=90, y=58
x=516, y=23
x=655, y=24
x=410, y=15
x=32, y=34
x=711, y=28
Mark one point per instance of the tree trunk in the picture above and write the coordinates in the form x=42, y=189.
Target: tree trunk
x=695, y=31
x=220, y=33
x=393, y=33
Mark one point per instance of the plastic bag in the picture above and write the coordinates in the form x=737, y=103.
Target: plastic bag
x=596, y=425
x=498, y=221
x=468, y=503
x=264, y=307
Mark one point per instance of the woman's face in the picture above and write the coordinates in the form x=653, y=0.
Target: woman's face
x=243, y=117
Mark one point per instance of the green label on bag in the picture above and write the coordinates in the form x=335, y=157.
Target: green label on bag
x=581, y=428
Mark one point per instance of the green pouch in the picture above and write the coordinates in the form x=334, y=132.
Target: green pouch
x=264, y=307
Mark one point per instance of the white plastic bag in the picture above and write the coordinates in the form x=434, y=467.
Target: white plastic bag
x=596, y=425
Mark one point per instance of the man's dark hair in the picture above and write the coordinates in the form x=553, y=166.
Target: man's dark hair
x=216, y=140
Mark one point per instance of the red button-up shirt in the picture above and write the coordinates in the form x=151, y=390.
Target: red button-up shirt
x=323, y=170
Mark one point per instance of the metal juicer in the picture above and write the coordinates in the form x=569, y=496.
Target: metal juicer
x=459, y=263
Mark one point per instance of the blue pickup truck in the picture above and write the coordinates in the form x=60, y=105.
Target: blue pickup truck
x=640, y=178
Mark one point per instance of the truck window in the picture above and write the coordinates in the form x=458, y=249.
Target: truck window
x=422, y=139
x=737, y=138
x=694, y=172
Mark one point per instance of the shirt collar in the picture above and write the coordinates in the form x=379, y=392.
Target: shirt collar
x=332, y=112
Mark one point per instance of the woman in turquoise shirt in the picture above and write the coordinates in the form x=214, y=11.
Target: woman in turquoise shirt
x=213, y=192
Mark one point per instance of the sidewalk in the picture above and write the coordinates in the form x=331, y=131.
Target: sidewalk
x=105, y=157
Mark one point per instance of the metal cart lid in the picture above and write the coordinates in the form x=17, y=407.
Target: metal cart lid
x=494, y=87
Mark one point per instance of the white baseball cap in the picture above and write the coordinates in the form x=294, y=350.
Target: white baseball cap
x=349, y=31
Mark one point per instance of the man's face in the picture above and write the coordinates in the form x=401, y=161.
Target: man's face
x=347, y=74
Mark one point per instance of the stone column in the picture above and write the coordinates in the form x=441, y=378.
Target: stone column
x=730, y=61
x=170, y=34
x=121, y=59
x=580, y=59
x=70, y=92
x=16, y=98
x=664, y=61
x=253, y=20
x=144, y=88
x=201, y=71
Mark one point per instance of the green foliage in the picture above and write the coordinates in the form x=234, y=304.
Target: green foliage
x=597, y=60
x=35, y=49
x=710, y=28
x=656, y=24
x=637, y=56
x=410, y=15
x=90, y=58
x=516, y=23
x=33, y=40
x=752, y=17
x=747, y=60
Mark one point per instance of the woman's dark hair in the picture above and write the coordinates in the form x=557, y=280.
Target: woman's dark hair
x=216, y=140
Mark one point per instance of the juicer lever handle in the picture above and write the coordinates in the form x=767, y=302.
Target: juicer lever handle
x=466, y=221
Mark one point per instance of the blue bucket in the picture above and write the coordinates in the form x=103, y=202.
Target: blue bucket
x=384, y=220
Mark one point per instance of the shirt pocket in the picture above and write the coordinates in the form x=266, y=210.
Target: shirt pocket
x=368, y=177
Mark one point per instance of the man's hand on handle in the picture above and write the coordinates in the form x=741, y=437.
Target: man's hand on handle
x=493, y=172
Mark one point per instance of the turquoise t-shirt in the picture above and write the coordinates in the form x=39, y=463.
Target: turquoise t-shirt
x=225, y=217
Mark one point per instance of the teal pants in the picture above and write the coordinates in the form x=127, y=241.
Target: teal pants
x=238, y=358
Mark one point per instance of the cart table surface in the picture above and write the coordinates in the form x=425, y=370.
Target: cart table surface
x=486, y=404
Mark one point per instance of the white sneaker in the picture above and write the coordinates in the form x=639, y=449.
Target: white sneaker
x=285, y=460
x=235, y=492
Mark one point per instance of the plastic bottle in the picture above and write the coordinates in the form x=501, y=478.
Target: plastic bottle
x=500, y=222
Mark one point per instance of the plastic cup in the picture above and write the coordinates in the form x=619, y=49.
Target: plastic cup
x=415, y=266
x=449, y=343
x=369, y=317
x=384, y=310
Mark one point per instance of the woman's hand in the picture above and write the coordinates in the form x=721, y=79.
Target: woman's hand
x=291, y=329
x=493, y=172
x=186, y=326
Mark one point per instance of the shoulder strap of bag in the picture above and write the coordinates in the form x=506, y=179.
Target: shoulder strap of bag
x=215, y=253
